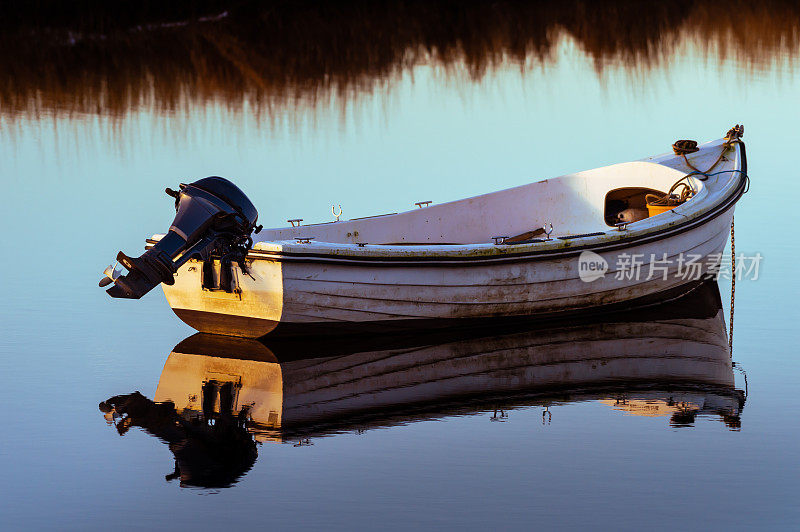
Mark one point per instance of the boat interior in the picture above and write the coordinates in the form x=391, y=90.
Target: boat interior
x=582, y=204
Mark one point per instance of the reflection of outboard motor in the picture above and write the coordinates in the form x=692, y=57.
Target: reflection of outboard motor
x=212, y=451
x=214, y=219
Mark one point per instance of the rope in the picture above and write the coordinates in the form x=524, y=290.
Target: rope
x=669, y=198
x=684, y=147
x=725, y=147
x=733, y=286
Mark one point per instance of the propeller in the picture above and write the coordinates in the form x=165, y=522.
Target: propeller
x=110, y=275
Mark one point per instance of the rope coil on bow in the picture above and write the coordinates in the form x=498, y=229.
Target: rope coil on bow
x=683, y=148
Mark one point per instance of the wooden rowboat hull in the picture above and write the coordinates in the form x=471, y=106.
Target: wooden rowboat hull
x=342, y=285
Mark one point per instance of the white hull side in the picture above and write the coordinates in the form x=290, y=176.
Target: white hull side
x=344, y=293
x=312, y=293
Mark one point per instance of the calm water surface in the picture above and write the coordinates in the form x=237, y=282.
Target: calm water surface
x=458, y=441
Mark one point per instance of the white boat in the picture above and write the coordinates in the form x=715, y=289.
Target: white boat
x=577, y=243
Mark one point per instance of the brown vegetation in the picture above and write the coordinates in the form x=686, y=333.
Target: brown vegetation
x=83, y=57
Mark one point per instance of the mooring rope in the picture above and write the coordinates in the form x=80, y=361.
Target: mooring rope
x=728, y=143
x=683, y=148
x=733, y=286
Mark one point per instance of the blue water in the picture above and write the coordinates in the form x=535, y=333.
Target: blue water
x=79, y=188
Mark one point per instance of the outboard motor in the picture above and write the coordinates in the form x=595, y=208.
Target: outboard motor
x=214, y=220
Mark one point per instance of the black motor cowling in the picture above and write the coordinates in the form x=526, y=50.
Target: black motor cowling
x=213, y=219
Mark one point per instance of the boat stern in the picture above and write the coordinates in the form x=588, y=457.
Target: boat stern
x=249, y=305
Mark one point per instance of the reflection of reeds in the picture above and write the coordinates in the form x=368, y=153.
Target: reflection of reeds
x=88, y=58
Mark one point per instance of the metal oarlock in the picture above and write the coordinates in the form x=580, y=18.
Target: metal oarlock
x=548, y=229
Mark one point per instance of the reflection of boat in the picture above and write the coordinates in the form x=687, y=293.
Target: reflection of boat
x=437, y=266
x=675, y=361
x=297, y=388
x=668, y=360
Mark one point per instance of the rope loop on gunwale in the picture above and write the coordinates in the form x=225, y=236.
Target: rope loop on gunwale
x=684, y=147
